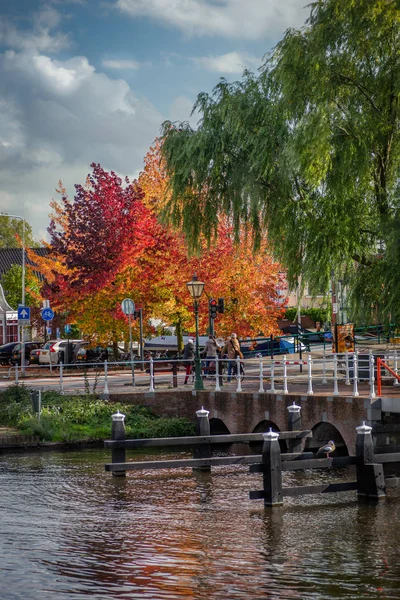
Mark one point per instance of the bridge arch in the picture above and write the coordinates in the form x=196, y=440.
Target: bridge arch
x=218, y=427
x=263, y=427
x=323, y=432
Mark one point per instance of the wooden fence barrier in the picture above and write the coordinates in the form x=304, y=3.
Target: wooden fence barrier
x=370, y=483
x=201, y=445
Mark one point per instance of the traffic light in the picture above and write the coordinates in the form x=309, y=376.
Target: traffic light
x=136, y=314
x=213, y=308
x=221, y=305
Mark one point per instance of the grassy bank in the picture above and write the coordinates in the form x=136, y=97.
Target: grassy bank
x=82, y=418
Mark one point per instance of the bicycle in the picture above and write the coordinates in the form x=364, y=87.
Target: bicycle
x=224, y=364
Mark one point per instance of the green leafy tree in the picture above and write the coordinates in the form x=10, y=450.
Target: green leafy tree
x=12, y=285
x=12, y=229
x=306, y=152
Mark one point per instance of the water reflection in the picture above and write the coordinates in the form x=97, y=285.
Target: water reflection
x=70, y=530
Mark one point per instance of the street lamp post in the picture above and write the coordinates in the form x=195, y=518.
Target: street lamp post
x=196, y=288
x=23, y=285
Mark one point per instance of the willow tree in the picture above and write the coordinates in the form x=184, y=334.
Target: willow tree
x=306, y=152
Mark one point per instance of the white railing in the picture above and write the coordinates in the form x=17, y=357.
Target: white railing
x=335, y=374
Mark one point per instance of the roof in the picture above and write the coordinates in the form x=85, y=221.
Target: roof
x=13, y=256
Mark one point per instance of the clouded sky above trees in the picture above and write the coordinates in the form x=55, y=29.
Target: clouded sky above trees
x=83, y=81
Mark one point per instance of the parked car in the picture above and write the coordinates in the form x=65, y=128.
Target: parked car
x=6, y=352
x=29, y=347
x=88, y=354
x=54, y=350
x=34, y=357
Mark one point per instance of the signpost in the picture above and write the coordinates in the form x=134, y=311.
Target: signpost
x=47, y=314
x=128, y=308
x=24, y=318
x=24, y=315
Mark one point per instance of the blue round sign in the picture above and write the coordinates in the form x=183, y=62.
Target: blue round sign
x=47, y=314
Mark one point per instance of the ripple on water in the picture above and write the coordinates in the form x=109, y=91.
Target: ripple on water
x=77, y=532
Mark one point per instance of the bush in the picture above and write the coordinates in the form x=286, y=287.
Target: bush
x=82, y=418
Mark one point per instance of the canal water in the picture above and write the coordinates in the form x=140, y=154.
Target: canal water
x=69, y=530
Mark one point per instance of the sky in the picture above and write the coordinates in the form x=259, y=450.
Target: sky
x=85, y=81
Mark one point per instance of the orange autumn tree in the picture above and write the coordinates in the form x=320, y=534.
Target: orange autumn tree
x=248, y=282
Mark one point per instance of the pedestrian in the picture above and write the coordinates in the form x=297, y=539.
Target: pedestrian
x=232, y=351
x=211, y=348
x=188, y=357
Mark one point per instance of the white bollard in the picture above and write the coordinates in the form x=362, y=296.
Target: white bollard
x=61, y=379
x=395, y=381
x=309, y=369
x=261, y=388
x=217, y=385
x=355, y=374
x=347, y=382
x=324, y=380
x=285, y=388
x=335, y=379
x=272, y=388
x=151, y=389
x=106, y=393
x=238, y=378
x=372, y=394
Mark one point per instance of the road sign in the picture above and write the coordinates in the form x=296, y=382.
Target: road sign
x=48, y=329
x=128, y=306
x=67, y=328
x=24, y=315
x=47, y=314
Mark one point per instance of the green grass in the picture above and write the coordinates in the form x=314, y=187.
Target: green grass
x=82, y=418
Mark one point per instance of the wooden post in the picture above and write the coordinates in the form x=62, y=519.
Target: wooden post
x=272, y=473
x=174, y=374
x=370, y=476
x=202, y=429
x=118, y=455
x=294, y=424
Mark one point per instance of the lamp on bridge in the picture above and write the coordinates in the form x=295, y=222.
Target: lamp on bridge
x=196, y=288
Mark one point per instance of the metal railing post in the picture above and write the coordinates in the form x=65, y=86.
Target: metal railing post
x=395, y=381
x=372, y=394
x=151, y=375
x=285, y=387
x=16, y=374
x=309, y=372
x=106, y=393
x=355, y=374
x=261, y=388
x=217, y=384
x=272, y=388
x=239, y=381
x=324, y=380
x=61, y=379
x=347, y=382
x=335, y=379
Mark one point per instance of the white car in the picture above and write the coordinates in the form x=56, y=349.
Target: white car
x=53, y=350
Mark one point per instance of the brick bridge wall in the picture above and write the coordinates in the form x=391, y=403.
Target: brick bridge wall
x=242, y=412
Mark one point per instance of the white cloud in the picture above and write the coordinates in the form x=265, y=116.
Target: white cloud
x=121, y=65
x=40, y=38
x=56, y=117
x=230, y=63
x=247, y=19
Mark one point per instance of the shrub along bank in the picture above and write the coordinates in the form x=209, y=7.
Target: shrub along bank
x=82, y=418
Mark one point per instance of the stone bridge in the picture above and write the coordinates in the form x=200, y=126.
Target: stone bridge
x=329, y=417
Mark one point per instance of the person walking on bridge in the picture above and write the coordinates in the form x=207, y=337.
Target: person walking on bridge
x=188, y=357
x=232, y=351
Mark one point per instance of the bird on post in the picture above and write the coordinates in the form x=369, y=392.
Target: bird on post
x=327, y=449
